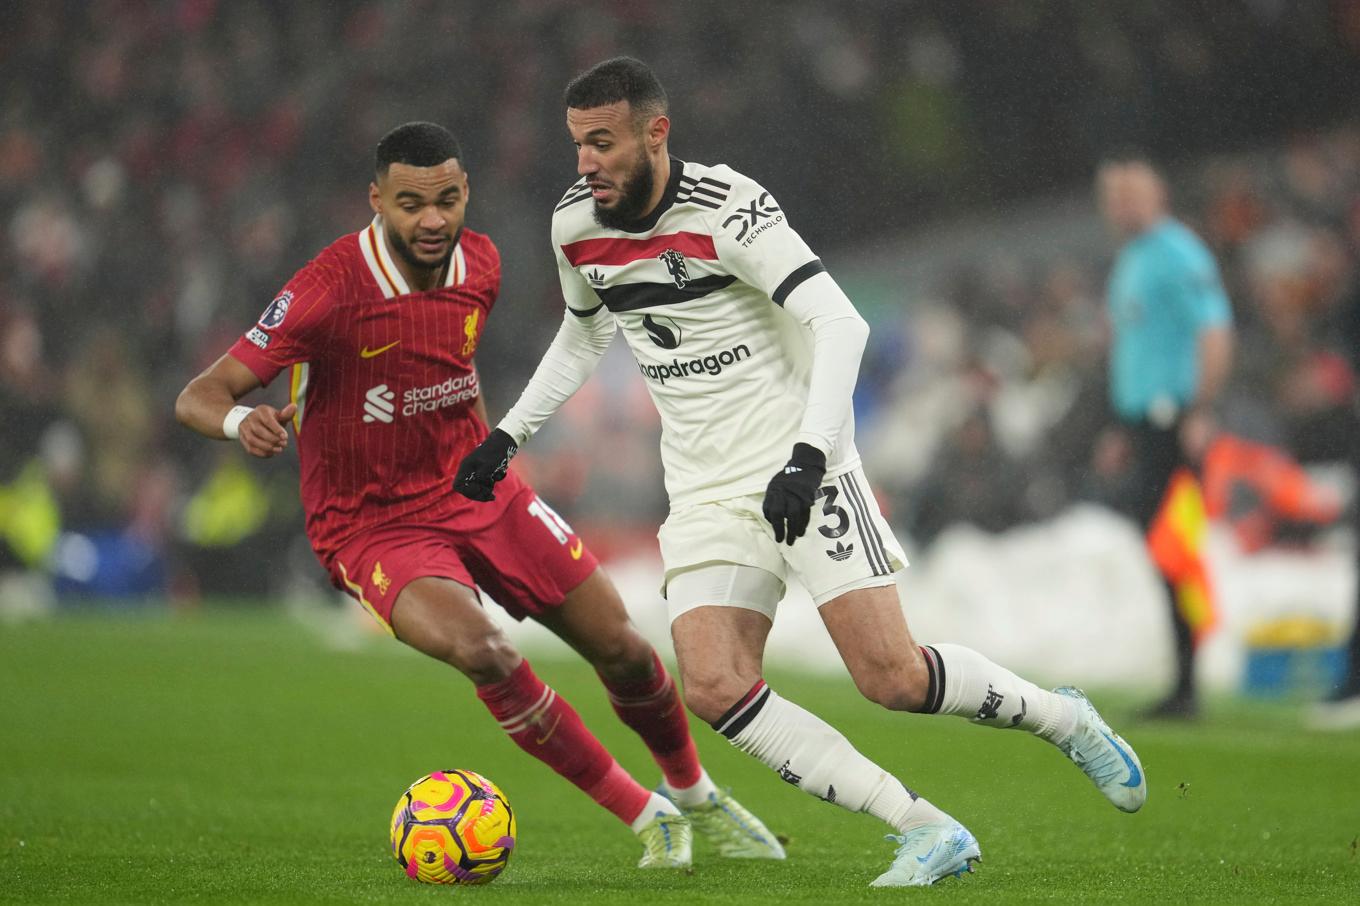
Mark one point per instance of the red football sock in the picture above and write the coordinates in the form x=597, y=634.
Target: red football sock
x=544, y=725
x=652, y=708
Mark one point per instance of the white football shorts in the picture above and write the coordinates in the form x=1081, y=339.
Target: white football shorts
x=848, y=545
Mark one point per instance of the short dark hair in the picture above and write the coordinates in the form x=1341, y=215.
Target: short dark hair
x=418, y=145
x=614, y=80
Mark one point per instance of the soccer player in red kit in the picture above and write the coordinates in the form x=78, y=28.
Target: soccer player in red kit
x=380, y=331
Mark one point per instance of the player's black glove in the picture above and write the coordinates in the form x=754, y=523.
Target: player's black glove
x=788, y=499
x=483, y=467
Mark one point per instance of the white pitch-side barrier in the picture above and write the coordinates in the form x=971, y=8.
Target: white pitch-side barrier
x=1071, y=600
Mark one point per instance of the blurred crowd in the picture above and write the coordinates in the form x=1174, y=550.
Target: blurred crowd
x=165, y=165
x=996, y=407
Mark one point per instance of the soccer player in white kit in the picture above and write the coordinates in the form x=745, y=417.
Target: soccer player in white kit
x=751, y=352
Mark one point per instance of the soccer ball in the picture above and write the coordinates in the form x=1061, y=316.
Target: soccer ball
x=453, y=827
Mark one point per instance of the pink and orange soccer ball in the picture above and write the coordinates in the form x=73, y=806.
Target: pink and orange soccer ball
x=453, y=827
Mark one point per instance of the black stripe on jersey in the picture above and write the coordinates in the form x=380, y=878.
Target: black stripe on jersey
x=587, y=313
x=707, y=179
x=632, y=296
x=701, y=202
x=706, y=190
x=571, y=200
x=575, y=187
x=702, y=189
x=868, y=532
x=793, y=280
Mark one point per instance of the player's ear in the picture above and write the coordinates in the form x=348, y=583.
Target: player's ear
x=657, y=132
x=374, y=198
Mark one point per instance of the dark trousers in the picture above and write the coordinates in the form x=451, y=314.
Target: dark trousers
x=1157, y=454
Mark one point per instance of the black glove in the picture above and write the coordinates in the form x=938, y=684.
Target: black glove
x=483, y=467
x=788, y=499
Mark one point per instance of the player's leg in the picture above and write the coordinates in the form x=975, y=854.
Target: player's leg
x=853, y=587
x=529, y=561
x=871, y=635
x=593, y=620
x=443, y=619
x=720, y=649
x=417, y=587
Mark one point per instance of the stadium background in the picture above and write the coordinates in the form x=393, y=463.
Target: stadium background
x=165, y=166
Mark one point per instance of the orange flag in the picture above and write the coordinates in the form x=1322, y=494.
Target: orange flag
x=1177, y=542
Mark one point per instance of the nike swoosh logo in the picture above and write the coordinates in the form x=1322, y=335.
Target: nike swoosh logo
x=1135, y=775
x=926, y=858
x=367, y=353
x=577, y=549
x=546, y=736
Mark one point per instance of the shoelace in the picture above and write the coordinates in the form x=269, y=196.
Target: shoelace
x=708, y=817
x=904, y=840
x=659, y=844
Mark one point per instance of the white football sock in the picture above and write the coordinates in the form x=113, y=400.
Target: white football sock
x=658, y=803
x=965, y=683
x=691, y=796
x=813, y=755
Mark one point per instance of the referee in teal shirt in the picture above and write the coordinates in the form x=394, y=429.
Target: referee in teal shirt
x=1171, y=349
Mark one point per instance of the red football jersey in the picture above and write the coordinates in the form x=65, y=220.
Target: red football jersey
x=383, y=380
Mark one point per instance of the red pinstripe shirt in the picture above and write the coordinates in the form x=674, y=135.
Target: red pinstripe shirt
x=383, y=379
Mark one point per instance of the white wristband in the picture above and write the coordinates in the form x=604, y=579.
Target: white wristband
x=231, y=425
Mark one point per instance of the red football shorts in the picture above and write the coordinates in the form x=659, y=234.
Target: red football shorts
x=515, y=548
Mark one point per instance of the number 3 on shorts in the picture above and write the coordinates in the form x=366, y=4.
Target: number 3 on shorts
x=548, y=516
x=828, y=496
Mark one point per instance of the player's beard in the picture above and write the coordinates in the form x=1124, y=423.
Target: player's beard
x=402, y=248
x=634, y=194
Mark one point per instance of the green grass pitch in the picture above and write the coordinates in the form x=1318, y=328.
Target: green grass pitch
x=236, y=758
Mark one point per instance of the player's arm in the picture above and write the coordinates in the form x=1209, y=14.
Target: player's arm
x=586, y=332
x=289, y=331
x=208, y=405
x=757, y=244
x=838, y=338
x=839, y=335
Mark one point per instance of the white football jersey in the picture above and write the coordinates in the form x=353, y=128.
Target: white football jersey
x=697, y=288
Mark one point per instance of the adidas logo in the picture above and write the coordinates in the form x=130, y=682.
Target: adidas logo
x=595, y=277
x=841, y=552
x=380, y=405
x=790, y=470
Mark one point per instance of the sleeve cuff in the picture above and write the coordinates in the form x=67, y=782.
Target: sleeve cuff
x=815, y=440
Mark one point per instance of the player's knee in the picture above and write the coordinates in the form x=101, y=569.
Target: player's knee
x=627, y=657
x=897, y=686
x=484, y=657
x=709, y=695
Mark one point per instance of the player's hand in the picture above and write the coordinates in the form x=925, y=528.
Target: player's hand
x=483, y=467
x=789, y=496
x=262, y=431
